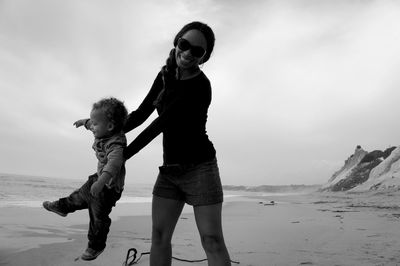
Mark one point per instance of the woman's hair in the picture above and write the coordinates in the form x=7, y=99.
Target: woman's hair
x=170, y=66
x=114, y=110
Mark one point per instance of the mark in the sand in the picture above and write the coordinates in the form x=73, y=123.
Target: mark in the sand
x=138, y=238
x=306, y=263
x=340, y=219
x=324, y=202
x=394, y=207
x=335, y=211
x=184, y=218
x=375, y=235
x=397, y=215
x=115, y=245
x=268, y=203
x=295, y=222
x=257, y=252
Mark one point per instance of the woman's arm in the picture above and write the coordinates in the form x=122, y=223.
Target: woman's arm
x=188, y=102
x=171, y=111
x=144, y=138
x=174, y=110
x=146, y=108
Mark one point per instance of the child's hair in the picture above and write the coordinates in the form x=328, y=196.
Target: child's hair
x=114, y=110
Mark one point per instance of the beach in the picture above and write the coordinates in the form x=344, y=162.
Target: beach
x=309, y=229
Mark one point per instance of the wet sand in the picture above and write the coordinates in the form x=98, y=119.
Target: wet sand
x=313, y=229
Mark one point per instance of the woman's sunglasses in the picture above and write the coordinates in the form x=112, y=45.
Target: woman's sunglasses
x=196, y=51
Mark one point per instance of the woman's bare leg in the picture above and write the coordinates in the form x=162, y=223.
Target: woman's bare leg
x=165, y=215
x=209, y=224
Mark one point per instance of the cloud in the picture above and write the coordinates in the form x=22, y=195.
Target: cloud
x=304, y=79
x=296, y=83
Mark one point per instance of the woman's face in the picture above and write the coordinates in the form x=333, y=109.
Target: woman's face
x=190, y=58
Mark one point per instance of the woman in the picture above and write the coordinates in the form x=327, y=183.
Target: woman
x=181, y=93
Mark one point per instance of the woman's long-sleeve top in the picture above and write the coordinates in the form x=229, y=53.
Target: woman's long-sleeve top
x=182, y=110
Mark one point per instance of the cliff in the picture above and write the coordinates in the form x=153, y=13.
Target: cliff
x=384, y=176
x=346, y=170
x=364, y=171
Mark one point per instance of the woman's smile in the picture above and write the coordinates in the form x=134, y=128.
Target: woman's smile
x=188, y=48
x=185, y=59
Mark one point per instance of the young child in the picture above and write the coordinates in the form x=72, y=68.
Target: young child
x=103, y=189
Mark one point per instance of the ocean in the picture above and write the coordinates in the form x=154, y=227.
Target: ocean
x=31, y=191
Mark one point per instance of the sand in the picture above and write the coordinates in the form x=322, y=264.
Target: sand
x=314, y=229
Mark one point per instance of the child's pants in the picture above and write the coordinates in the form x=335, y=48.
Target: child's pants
x=99, y=210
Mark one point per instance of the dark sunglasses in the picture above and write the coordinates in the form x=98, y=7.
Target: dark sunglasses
x=196, y=51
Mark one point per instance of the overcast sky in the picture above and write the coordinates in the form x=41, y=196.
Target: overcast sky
x=296, y=84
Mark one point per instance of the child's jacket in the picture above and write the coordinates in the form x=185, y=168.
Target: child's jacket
x=109, y=153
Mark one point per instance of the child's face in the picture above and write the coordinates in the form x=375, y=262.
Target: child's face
x=100, y=125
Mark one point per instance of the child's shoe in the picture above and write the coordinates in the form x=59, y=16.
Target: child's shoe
x=54, y=207
x=91, y=254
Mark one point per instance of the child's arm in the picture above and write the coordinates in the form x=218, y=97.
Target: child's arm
x=98, y=186
x=115, y=161
x=83, y=122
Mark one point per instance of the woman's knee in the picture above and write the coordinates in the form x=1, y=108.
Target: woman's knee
x=165, y=214
x=212, y=243
x=160, y=236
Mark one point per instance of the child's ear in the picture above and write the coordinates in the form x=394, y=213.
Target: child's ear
x=110, y=126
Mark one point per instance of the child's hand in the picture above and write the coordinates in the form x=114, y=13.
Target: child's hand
x=96, y=188
x=80, y=122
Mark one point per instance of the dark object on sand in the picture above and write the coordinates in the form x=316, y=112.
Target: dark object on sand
x=270, y=203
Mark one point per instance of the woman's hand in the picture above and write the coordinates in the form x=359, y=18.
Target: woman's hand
x=81, y=122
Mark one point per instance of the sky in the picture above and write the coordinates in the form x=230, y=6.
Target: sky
x=297, y=85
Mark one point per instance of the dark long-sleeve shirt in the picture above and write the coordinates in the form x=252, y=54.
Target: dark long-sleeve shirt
x=182, y=120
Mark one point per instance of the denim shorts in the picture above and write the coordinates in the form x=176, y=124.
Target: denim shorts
x=196, y=185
